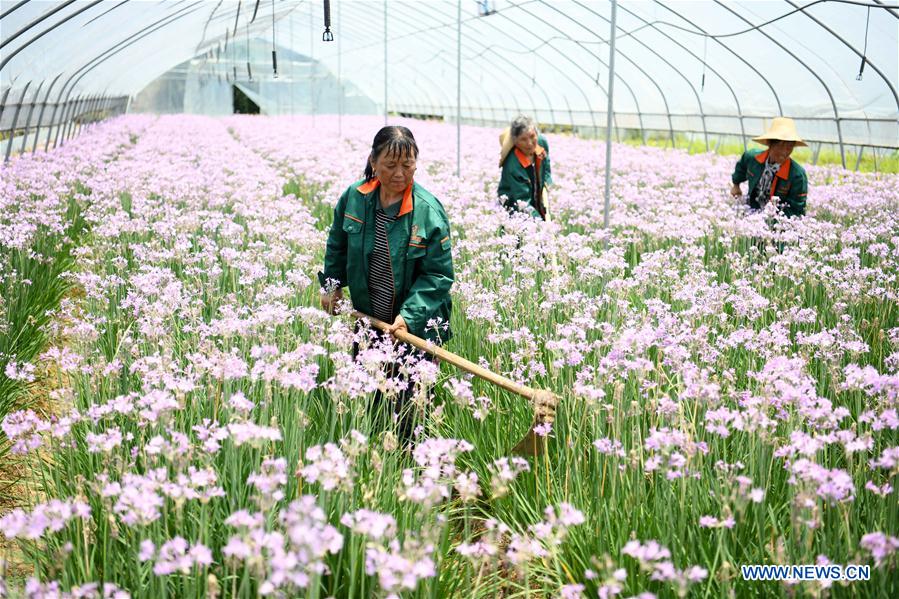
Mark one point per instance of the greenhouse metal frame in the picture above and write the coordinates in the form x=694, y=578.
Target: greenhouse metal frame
x=539, y=57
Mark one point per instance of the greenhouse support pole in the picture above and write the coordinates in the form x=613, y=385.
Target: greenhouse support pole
x=15, y=119
x=385, y=63
x=609, y=110
x=40, y=115
x=458, y=88
x=3, y=101
x=76, y=130
x=31, y=111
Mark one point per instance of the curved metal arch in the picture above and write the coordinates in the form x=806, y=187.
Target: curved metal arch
x=40, y=115
x=104, y=13
x=888, y=9
x=513, y=80
x=673, y=68
x=226, y=14
x=37, y=21
x=637, y=66
x=15, y=119
x=68, y=114
x=605, y=64
x=586, y=73
x=450, y=103
x=851, y=47
x=419, y=73
x=573, y=82
x=486, y=48
x=833, y=103
x=115, y=49
x=427, y=29
x=79, y=108
x=443, y=25
x=513, y=65
x=13, y=8
x=557, y=51
x=3, y=101
x=618, y=76
x=701, y=60
x=517, y=68
x=491, y=48
x=28, y=118
x=6, y=60
x=208, y=20
x=743, y=60
x=471, y=37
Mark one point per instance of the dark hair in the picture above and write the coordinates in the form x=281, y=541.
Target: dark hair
x=394, y=140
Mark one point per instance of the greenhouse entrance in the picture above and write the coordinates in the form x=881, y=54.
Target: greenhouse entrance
x=242, y=103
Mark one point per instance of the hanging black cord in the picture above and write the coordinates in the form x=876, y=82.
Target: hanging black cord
x=327, y=36
x=861, y=68
x=249, y=69
x=237, y=18
x=705, y=51
x=274, y=53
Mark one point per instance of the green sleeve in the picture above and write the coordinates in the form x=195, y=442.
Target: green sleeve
x=795, y=200
x=740, y=170
x=336, y=247
x=432, y=285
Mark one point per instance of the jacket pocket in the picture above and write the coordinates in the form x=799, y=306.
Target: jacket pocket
x=353, y=229
x=351, y=224
x=414, y=254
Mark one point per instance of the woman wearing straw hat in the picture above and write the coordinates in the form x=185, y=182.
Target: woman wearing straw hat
x=524, y=158
x=771, y=172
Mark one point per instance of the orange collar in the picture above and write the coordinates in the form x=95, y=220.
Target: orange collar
x=783, y=172
x=372, y=185
x=525, y=161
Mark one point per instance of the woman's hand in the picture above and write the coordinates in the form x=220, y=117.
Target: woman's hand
x=330, y=300
x=398, y=325
x=736, y=191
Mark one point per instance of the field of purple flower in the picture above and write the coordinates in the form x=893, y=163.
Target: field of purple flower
x=188, y=423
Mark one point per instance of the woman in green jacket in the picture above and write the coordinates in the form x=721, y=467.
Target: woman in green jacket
x=772, y=172
x=390, y=244
x=526, y=173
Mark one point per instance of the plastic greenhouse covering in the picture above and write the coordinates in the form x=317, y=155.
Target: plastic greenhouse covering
x=705, y=68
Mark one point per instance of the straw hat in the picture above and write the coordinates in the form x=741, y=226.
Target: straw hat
x=506, y=144
x=781, y=129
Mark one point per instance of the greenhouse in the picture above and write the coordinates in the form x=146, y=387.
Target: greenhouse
x=449, y=298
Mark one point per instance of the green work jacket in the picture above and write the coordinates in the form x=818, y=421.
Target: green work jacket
x=420, y=256
x=517, y=180
x=790, y=183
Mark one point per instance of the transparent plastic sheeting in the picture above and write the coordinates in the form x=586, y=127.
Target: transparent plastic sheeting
x=545, y=57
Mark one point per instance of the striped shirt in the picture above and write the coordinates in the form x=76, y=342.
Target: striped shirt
x=763, y=189
x=381, y=290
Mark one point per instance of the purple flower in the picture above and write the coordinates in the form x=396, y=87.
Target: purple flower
x=880, y=546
